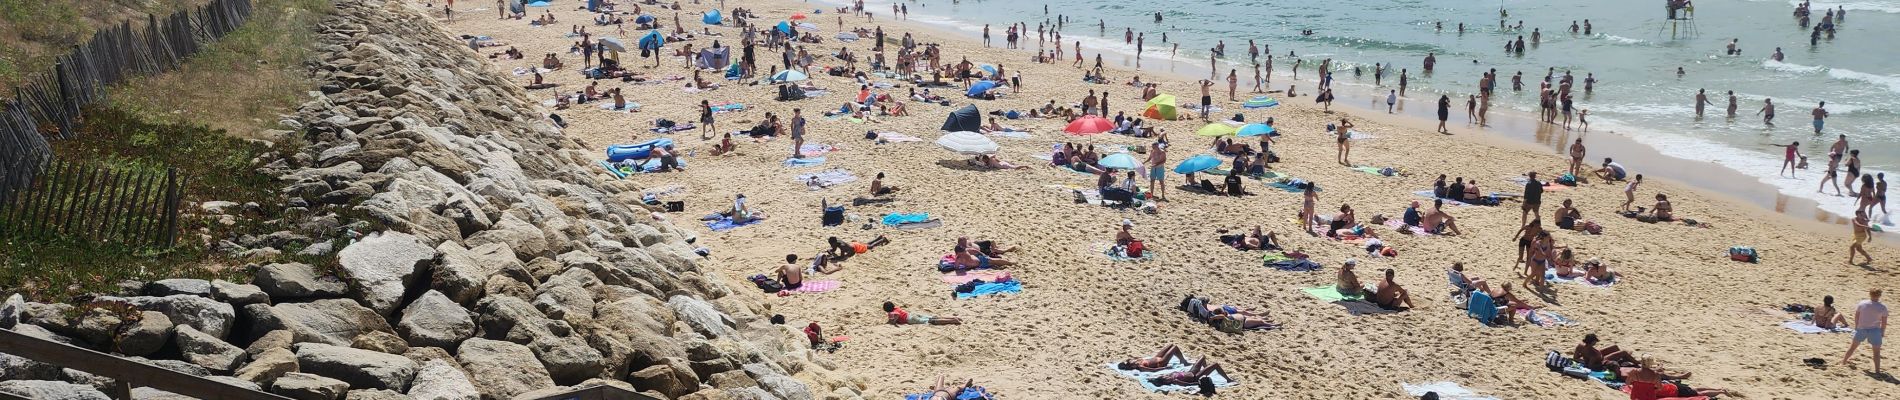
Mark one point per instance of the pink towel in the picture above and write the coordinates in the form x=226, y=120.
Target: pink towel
x=818, y=286
x=987, y=276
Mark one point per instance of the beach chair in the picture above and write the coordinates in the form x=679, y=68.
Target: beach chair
x=1483, y=308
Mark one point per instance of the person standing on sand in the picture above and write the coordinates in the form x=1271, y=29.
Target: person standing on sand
x=1471, y=109
x=1140, y=41
x=1256, y=79
x=1403, y=80
x=1213, y=72
x=1157, y=169
x=1533, y=198
x=1206, y=99
x=1767, y=112
x=1233, y=83
x=1788, y=157
x=798, y=133
x=1870, y=320
x=1820, y=116
x=1701, y=99
x=1577, y=153
x=1391, y=100
x=1444, y=113
x=1342, y=132
x=986, y=31
x=1629, y=192
x=705, y=120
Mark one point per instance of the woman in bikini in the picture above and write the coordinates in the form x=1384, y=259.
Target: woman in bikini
x=1191, y=376
x=1826, y=317
x=1158, y=362
x=1646, y=383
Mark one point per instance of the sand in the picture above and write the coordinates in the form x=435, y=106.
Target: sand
x=1681, y=299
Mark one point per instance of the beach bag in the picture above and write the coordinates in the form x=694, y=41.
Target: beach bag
x=767, y=284
x=834, y=216
x=1567, y=180
x=1134, y=249
x=675, y=206
x=1555, y=361
x=1743, y=254
x=970, y=286
x=1229, y=326
x=1208, y=186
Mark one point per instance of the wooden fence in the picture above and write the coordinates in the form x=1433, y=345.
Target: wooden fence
x=89, y=202
x=49, y=104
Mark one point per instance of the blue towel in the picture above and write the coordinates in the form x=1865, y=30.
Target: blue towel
x=895, y=219
x=1285, y=186
x=1481, y=307
x=725, y=224
x=804, y=162
x=988, y=288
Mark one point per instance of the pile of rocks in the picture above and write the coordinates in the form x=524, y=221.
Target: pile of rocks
x=479, y=257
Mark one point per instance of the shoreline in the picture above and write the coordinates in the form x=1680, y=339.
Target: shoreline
x=1513, y=127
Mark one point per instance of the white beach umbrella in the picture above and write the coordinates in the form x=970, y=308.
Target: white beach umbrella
x=967, y=142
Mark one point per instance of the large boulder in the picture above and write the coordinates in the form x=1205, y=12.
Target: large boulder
x=513, y=319
x=362, y=369
x=203, y=350
x=566, y=296
x=672, y=377
x=51, y=390
x=440, y=380
x=238, y=294
x=382, y=265
x=201, y=313
x=375, y=394
x=303, y=386
x=331, y=321
x=460, y=272
x=503, y=367
x=525, y=238
x=568, y=360
x=277, y=339
x=267, y=366
x=785, y=387
x=294, y=281
x=434, y=320
x=702, y=316
x=381, y=342
x=11, y=310
x=167, y=287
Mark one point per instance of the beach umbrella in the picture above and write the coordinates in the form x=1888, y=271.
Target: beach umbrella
x=1089, y=125
x=653, y=40
x=1118, y=161
x=988, y=68
x=1161, y=107
x=712, y=17
x=1215, y=130
x=1256, y=130
x=967, y=142
x=979, y=87
x=798, y=16
x=643, y=19
x=1197, y=164
x=789, y=76
x=1260, y=102
x=967, y=118
x=539, y=3
x=784, y=27
x=515, y=6
x=614, y=44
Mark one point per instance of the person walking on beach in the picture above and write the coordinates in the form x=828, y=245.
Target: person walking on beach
x=1206, y=99
x=1577, y=153
x=1157, y=169
x=705, y=120
x=1342, y=132
x=1391, y=100
x=1820, y=116
x=1767, y=112
x=1833, y=165
x=1701, y=99
x=1471, y=109
x=1629, y=192
x=1444, y=113
x=1792, y=150
x=1870, y=323
x=1256, y=79
x=986, y=34
x=1533, y=198
x=1233, y=83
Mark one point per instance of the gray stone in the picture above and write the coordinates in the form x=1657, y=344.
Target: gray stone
x=362, y=369
x=332, y=321
x=460, y=272
x=201, y=313
x=671, y=378
x=702, y=316
x=526, y=239
x=303, y=386
x=216, y=206
x=10, y=311
x=267, y=366
x=290, y=281
x=277, y=339
x=175, y=366
x=381, y=266
x=785, y=387
x=381, y=342
x=203, y=350
x=502, y=369
x=152, y=331
x=96, y=326
x=238, y=294
x=51, y=390
x=440, y=380
x=167, y=287
x=434, y=320
x=568, y=360
x=565, y=299
x=512, y=319
x=375, y=394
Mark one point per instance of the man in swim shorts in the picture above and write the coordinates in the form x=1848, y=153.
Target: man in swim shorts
x=1157, y=168
x=1870, y=325
x=1820, y=117
x=898, y=316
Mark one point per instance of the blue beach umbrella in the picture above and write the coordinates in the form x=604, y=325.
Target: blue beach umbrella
x=653, y=40
x=1118, y=161
x=989, y=68
x=643, y=19
x=789, y=76
x=712, y=18
x=1197, y=164
x=1256, y=130
x=980, y=86
x=784, y=27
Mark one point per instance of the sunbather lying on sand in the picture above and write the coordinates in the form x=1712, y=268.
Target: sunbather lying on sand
x=987, y=247
x=841, y=250
x=1255, y=240
x=1597, y=273
x=990, y=161
x=972, y=258
x=969, y=390
x=897, y=316
x=1646, y=382
x=1191, y=376
x=1158, y=362
x=1503, y=295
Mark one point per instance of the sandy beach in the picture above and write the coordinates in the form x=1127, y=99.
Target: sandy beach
x=1680, y=298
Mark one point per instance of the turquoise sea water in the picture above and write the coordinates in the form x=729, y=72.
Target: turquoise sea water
x=1632, y=49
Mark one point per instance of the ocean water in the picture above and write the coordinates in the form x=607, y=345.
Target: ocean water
x=1632, y=50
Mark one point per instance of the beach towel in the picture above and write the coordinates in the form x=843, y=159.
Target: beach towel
x=828, y=178
x=1428, y=194
x=1387, y=171
x=1329, y=294
x=920, y=225
x=817, y=286
x=675, y=128
x=967, y=276
x=894, y=137
x=1280, y=261
x=1174, y=365
x=989, y=288
x=1220, y=381
x=1551, y=276
x=895, y=219
x=1481, y=307
x=616, y=172
x=1288, y=186
x=1445, y=391
x=1011, y=134
x=1544, y=318
x=1807, y=327
x=804, y=162
x=815, y=150
x=630, y=106
x=725, y=224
